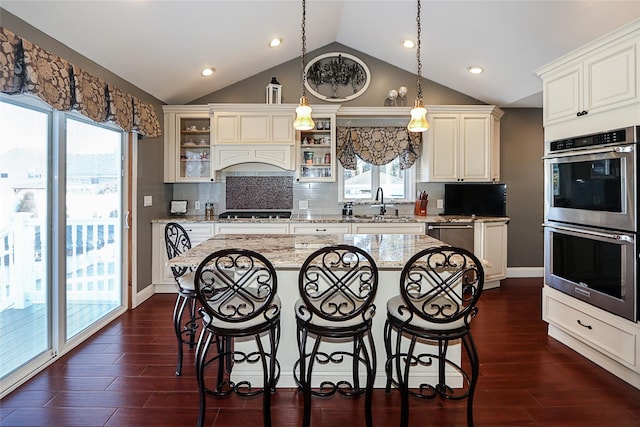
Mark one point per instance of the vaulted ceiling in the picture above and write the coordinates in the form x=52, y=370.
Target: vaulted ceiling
x=162, y=45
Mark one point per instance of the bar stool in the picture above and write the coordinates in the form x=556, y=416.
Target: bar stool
x=439, y=289
x=337, y=286
x=237, y=291
x=177, y=242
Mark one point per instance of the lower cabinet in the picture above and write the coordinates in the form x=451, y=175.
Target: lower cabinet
x=490, y=244
x=608, y=340
x=160, y=273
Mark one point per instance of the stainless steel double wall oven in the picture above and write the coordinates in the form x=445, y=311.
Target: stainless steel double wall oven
x=591, y=219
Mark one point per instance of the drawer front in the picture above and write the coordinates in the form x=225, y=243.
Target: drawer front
x=198, y=233
x=263, y=228
x=319, y=228
x=612, y=340
x=388, y=228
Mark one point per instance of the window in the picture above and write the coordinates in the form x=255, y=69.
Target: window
x=361, y=184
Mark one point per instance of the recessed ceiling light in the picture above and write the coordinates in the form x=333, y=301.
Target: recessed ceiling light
x=475, y=69
x=208, y=71
x=409, y=44
x=275, y=42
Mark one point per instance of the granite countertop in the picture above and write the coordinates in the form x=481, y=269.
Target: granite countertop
x=389, y=251
x=328, y=218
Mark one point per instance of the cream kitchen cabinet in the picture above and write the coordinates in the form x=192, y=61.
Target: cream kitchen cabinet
x=490, y=245
x=608, y=340
x=316, y=149
x=463, y=144
x=160, y=273
x=388, y=228
x=593, y=88
x=251, y=228
x=187, y=144
x=319, y=228
x=253, y=133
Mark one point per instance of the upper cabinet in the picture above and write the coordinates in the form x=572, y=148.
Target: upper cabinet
x=248, y=133
x=463, y=144
x=316, y=148
x=187, y=144
x=595, y=87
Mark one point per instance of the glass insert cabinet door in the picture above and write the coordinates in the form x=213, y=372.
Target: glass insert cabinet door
x=194, y=148
x=316, y=152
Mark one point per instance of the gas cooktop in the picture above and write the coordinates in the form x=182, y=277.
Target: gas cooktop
x=255, y=214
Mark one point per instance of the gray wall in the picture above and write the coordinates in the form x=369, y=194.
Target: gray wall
x=521, y=152
x=521, y=145
x=384, y=77
x=149, y=177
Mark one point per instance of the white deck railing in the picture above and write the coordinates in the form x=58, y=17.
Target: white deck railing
x=93, y=261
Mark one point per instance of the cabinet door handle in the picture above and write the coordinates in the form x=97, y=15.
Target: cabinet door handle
x=584, y=326
x=321, y=229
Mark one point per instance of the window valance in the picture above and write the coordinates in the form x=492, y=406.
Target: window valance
x=377, y=145
x=27, y=68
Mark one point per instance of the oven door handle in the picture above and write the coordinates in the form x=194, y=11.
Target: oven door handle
x=611, y=236
x=616, y=149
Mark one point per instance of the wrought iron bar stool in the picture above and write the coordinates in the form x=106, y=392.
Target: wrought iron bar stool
x=337, y=286
x=439, y=289
x=177, y=242
x=237, y=291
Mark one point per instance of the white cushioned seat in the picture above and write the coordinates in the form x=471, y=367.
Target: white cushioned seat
x=258, y=320
x=187, y=281
x=318, y=321
x=393, y=308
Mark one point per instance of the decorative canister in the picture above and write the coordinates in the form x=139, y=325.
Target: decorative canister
x=308, y=157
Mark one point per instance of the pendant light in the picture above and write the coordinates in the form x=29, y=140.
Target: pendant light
x=303, y=119
x=418, y=122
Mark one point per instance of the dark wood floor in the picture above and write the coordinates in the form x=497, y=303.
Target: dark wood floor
x=124, y=376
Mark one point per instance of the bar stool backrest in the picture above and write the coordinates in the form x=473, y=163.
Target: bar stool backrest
x=338, y=283
x=177, y=242
x=442, y=284
x=237, y=285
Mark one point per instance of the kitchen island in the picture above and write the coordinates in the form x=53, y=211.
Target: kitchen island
x=489, y=235
x=287, y=253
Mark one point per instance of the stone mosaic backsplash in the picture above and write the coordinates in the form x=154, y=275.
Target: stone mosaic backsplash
x=259, y=192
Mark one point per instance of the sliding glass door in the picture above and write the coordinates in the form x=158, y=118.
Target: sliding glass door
x=93, y=221
x=62, y=192
x=25, y=297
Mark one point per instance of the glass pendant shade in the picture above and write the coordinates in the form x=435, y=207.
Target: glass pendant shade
x=303, y=119
x=418, y=122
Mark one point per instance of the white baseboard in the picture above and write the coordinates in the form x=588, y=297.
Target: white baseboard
x=143, y=295
x=162, y=288
x=514, y=272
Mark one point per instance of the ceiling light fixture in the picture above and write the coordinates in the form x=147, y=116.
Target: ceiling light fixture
x=208, y=71
x=409, y=44
x=275, y=42
x=418, y=122
x=475, y=69
x=303, y=119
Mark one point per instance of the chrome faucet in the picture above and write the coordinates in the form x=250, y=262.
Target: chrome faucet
x=380, y=194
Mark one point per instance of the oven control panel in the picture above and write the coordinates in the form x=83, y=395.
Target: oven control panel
x=619, y=136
